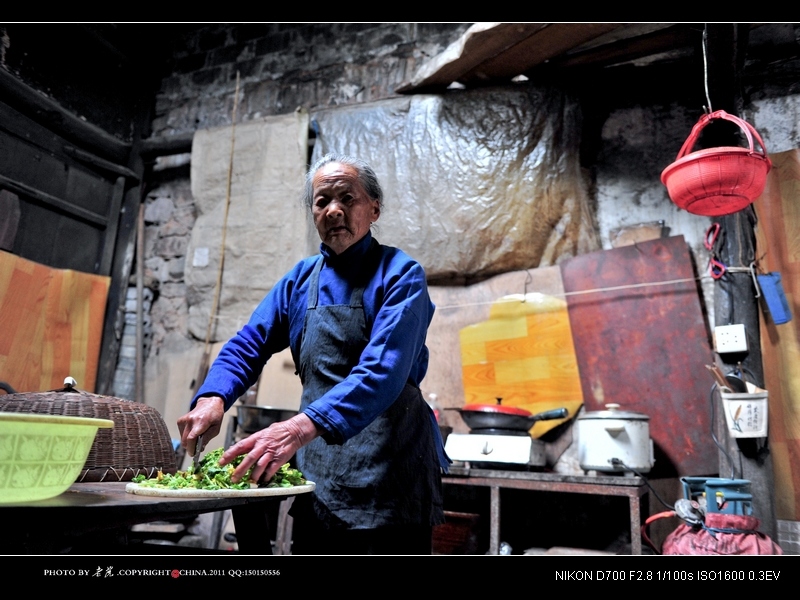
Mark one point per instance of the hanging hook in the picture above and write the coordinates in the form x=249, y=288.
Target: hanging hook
x=707, y=108
x=528, y=279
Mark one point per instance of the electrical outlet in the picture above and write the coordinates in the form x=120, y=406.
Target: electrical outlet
x=730, y=338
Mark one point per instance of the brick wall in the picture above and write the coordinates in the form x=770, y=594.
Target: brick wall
x=789, y=536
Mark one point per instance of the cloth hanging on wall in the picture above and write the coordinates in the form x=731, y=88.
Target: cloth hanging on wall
x=268, y=228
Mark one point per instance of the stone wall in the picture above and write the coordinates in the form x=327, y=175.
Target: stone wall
x=286, y=65
x=281, y=66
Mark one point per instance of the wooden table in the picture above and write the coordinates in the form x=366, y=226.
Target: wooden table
x=86, y=509
x=634, y=488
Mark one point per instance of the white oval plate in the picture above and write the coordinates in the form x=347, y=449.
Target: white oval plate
x=162, y=492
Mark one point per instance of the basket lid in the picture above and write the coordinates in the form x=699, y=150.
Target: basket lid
x=138, y=442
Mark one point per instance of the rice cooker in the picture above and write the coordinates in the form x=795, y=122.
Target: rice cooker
x=615, y=440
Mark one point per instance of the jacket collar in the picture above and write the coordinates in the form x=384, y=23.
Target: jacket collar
x=353, y=259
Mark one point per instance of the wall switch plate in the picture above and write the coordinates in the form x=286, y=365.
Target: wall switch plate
x=730, y=338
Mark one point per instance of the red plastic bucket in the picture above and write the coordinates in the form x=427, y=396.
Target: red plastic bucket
x=717, y=181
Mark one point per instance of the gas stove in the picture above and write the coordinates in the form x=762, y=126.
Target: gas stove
x=496, y=447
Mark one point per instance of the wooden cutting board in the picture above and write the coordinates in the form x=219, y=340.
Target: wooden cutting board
x=135, y=488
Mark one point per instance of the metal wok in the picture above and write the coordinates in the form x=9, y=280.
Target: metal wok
x=499, y=417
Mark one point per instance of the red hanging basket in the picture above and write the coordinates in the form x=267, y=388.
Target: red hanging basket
x=717, y=181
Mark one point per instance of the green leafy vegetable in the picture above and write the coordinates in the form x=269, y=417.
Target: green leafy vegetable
x=210, y=475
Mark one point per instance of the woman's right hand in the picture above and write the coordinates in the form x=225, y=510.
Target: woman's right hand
x=268, y=449
x=204, y=419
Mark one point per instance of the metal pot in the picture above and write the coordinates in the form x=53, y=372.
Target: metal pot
x=253, y=418
x=498, y=417
x=615, y=440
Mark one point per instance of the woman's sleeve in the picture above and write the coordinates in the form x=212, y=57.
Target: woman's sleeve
x=242, y=358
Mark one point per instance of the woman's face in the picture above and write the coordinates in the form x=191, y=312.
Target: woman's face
x=341, y=207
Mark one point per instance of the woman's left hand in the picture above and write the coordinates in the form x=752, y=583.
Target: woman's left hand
x=267, y=450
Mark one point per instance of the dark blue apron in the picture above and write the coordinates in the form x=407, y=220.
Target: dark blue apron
x=389, y=473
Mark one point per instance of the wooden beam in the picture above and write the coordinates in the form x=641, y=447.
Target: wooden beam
x=167, y=145
x=734, y=293
x=666, y=40
x=110, y=238
x=53, y=202
x=545, y=44
x=101, y=163
x=481, y=42
x=58, y=119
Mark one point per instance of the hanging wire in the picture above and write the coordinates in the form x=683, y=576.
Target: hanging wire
x=616, y=462
x=707, y=108
x=615, y=288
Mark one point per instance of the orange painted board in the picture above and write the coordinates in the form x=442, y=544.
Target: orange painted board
x=642, y=342
x=51, y=323
x=778, y=242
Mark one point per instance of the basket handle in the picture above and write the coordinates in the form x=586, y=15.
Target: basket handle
x=748, y=129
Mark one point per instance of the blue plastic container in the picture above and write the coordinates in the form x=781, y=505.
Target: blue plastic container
x=774, y=298
x=727, y=496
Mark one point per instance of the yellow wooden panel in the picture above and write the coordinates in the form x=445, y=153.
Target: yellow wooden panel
x=537, y=371
x=551, y=324
x=517, y=305
x=474, y=353
x=524, y=370
x=479, y=375
x=496, y=329
x=527, y=396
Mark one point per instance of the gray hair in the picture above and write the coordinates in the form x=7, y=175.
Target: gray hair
x=366, y=176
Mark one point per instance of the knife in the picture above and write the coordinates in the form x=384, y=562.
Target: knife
x=198, y=448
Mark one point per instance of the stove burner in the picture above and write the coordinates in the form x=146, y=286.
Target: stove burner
x=497, y=431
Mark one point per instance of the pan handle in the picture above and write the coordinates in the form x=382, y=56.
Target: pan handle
x=556, y=413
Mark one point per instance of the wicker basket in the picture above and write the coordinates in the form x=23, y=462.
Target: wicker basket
x=138, y=443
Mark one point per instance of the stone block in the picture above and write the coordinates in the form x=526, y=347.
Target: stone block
x=158, y=209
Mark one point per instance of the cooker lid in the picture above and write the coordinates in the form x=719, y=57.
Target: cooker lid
x=498, y=408
x=613, y=412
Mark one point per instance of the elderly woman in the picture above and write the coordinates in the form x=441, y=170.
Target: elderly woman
x=355, y=317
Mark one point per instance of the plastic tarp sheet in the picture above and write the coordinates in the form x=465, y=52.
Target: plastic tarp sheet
x=476, y=182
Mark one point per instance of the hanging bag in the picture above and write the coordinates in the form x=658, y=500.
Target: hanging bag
x=721, y=534
x=717, y=181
